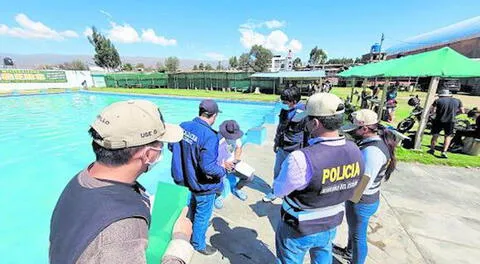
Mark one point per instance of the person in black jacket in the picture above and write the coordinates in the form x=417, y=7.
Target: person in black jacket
x=290, y=131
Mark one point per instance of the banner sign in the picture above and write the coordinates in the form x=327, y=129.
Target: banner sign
x=32, y=76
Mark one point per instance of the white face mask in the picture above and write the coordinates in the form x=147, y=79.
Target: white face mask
x=151, y=165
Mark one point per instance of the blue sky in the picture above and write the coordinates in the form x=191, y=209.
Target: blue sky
x=220, y=29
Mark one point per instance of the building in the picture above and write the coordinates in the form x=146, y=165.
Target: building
x=464, y=37
x=278, y=63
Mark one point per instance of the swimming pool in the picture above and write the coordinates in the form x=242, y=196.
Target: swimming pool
x=44, y=143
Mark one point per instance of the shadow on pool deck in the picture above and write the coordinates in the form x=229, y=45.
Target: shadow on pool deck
x=239, y=245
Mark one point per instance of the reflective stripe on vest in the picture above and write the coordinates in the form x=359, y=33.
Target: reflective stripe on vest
x=311, y=214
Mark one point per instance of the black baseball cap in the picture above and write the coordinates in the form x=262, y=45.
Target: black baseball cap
x=210, y=106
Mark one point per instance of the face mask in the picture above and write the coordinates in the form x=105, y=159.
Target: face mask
x=285, y=107
x=151, y=165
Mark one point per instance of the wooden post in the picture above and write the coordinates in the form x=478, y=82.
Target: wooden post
x=383, y=99
x=432, y=90
x=353, y=89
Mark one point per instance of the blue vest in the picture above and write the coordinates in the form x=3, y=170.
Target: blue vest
x=82, y=213
x=372, y=194
x=336, y=171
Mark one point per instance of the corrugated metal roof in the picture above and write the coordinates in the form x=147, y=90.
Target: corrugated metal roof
x=466, y=29
x=290, y=74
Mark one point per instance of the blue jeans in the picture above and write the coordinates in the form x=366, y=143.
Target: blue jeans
x=200, y=212
x=280, y=156
x=291, y=247
x=358, y=216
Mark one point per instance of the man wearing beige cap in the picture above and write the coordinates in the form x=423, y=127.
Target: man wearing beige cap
x=103, y=214
x=315, y=182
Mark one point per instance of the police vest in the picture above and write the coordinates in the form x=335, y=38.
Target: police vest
x=82, y=213
x=292, y=131
x=372, y=194
x=336, y=171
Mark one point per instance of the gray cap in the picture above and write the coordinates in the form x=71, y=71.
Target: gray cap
x=210, y=106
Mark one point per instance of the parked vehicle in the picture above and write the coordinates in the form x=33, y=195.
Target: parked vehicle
x=416, y=115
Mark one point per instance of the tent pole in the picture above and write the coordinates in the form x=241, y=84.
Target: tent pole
x=432, y=90
x=353, y=89
x=382, y=101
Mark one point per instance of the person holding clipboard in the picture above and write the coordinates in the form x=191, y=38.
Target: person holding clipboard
x=377, y=145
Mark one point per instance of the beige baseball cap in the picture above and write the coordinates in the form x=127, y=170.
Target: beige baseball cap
x=363, y=117
x=133, y=123
x=324, y=104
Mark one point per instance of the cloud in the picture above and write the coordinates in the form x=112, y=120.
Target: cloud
x=215, y=56
x=149, y=35
x=271, y=24
x=276, y=40
x=275, y=24
x=123, y=33
x=106, y=13
x=30, y=29
x=88, y=31
x=127, y=34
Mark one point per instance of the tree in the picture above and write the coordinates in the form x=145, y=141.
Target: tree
x=172, y=64
x=219, y=66
x=340, y=61
x=244, y=62
x=127, y=67
x=297, y=63
x=195, y=67
x=140, y=66
x=160, y=67
x=208, y=67
x=75, y=65
x=317, y=56
x=106, y=55
x=201, y=67
x=260, y=58
x=233, y=62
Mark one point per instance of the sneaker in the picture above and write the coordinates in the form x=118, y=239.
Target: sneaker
x=208, y=251
x=269, y=198
x=444, y=155
x=342, y=252
x=240, y=194
x=219, y=202
x=431, y=151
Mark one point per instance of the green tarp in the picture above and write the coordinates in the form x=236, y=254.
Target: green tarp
x=444, y=62
x=169, y=202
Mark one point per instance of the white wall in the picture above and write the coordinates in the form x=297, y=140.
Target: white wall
x=74, y=80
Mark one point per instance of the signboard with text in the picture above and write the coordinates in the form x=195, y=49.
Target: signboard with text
x=32, y=76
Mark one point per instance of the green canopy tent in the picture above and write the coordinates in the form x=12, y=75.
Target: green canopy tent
x=440, y=63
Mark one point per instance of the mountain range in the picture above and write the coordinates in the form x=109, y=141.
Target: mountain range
x=32, y=61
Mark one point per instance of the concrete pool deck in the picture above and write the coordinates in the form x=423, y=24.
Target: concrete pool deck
x=428, y=214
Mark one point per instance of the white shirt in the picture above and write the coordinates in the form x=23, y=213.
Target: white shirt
x=226, y=151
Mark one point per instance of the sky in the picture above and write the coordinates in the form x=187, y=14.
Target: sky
x=217, y=30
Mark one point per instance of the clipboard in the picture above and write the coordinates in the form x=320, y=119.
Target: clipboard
x=358, y=192
x=170, y=199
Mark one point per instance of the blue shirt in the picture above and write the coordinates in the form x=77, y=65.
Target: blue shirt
x=295, y=173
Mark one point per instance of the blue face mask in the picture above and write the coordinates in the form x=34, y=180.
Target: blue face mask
x=285, y=106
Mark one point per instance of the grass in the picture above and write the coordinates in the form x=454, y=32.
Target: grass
x=420, y=156
x=194, y=93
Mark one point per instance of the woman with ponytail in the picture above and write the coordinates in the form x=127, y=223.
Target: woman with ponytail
x=377, y=144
